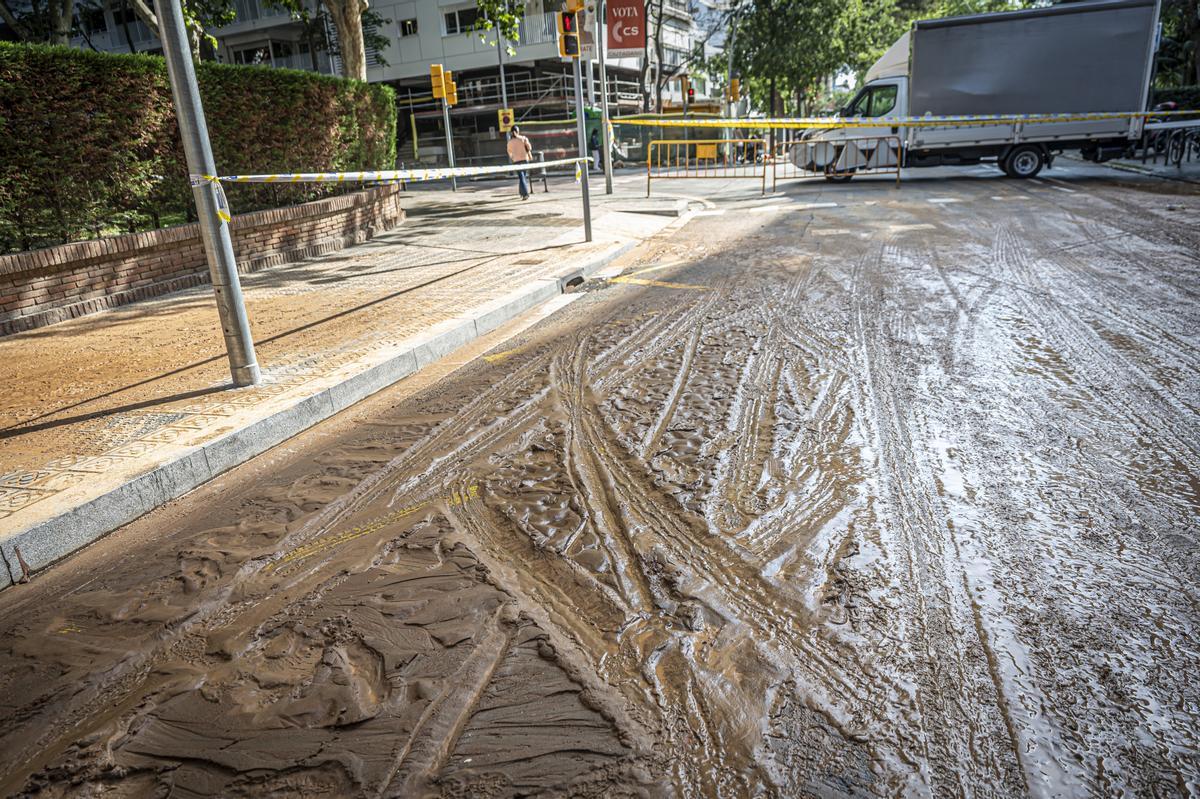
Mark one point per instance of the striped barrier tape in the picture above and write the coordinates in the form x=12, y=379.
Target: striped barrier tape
x=928, y=121
x=376, y=176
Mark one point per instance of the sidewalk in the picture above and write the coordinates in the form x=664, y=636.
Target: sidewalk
x=1188, y=171
x=106, y=417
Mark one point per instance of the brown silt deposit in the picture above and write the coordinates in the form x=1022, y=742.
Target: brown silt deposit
x=890, y=499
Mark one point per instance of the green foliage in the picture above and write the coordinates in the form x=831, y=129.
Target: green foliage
x=1188, y=97
x=502, y=14
x=1178, y=62
x=89, y=140
x=799, y=43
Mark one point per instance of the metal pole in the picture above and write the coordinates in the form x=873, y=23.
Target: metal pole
x=605, y=139
x=729, y=112
x=500, y=41
x=449, y=141
x=588, y=78
x=218, y=245
x=587, y=205
x=412, y=121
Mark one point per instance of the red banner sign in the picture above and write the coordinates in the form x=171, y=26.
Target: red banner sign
x=626, y=24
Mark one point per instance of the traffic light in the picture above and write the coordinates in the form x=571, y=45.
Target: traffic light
x=735, y=90
x=575, y=5
x=685, y=88
x=691, y=95
x=568, y=35
x=437, y=78
x=451, y=87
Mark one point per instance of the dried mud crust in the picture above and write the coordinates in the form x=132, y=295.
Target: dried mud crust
x=897, y=514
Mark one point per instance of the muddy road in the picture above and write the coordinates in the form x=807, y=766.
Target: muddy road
x=896, y=496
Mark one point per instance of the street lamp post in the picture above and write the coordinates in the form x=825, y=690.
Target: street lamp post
x=606, y=140
x=582, y=132
x=214, y=232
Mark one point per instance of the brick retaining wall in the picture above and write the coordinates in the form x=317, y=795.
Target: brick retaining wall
x=41, y=287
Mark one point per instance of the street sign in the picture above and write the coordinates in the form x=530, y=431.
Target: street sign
x=506, y=119
x=626, y=27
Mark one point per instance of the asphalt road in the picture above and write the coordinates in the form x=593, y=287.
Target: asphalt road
x=848, y=491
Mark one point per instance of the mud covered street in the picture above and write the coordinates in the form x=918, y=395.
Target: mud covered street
x=853, y=491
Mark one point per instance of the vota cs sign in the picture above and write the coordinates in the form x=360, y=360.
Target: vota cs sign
x=626, y=24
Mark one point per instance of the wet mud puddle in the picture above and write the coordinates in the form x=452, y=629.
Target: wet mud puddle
x=869, y=525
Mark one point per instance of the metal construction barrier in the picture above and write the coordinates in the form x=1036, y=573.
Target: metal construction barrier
x=836, y=160
x=1174, y=143
x=706, y=158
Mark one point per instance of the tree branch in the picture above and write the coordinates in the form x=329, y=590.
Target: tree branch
x=11, y=20
x=146, y=15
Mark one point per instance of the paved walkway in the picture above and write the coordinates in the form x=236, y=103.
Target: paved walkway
x=99, y=403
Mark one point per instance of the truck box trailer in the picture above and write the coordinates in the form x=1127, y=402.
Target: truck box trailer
x=1071, y=58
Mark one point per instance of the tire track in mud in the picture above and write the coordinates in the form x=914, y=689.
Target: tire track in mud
x=742, y=592
x=1006, y=583
x=1121, y=386
x=801, y=534
x=949, y=653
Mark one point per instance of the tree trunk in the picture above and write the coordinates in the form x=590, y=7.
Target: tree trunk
x=771, y=113
x=347, y=18
x=125, y=27
x=62, y=13
x=645, y=70
x=1196, y=50
x=310, y=36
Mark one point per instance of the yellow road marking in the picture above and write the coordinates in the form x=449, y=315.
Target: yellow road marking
x=375, y=525
x=637, y=281
x=497, y=357
x=667, y=265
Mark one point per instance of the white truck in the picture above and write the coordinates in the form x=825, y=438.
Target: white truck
x=1076, y=57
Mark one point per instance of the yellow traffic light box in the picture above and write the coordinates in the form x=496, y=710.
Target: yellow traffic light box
x=451, y=87
x=735, y=90
x=437, y=78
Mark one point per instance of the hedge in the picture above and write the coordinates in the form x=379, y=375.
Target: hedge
x=89, y=142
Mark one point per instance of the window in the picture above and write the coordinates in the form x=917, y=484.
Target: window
x=408, y=27
x=252, y=55
x=883, y=100
x=461, y=20
x=874, y=102
x=93, y=20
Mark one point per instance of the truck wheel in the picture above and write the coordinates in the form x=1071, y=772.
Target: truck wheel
x=1025, y=161
x=837, y=177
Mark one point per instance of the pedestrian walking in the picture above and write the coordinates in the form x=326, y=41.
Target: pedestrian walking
x=520, y=151
x=594, y=146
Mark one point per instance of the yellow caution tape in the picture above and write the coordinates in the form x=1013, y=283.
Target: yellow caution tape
x=377, y=176
x=388, y=175
x=800, y=123
x=222, y=200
